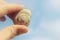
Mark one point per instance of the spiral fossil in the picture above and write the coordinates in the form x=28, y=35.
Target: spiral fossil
x=23, y=17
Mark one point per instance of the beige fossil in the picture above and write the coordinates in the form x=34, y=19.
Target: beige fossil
x=23, y=17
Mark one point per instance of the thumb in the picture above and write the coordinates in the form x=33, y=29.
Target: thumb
x=1, y=0
x=12, y=31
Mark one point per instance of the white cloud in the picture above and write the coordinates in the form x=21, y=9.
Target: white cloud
x=52, y=28
x=49, y=28
x=55, y=3
x=58, y=29
x=40, y=38
x=48, y=25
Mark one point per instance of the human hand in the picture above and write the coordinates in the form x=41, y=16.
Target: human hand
x=11, y=10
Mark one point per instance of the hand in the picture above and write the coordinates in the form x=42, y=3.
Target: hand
x=10, y=10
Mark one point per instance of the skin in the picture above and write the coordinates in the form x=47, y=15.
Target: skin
x=11, y=10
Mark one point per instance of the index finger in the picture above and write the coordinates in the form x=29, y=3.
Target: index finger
x=9, y=8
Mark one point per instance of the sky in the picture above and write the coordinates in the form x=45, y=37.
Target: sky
x=45, y=20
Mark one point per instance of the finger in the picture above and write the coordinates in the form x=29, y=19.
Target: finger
x=1, y=0
x=9, y=9
x=12, y=31
x=14, y=10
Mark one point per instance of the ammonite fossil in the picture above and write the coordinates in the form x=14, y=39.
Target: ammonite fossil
x=23, y=17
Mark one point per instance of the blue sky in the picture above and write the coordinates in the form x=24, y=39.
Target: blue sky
x=45, y=21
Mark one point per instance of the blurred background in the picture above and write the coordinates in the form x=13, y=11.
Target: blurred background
x=45, y=21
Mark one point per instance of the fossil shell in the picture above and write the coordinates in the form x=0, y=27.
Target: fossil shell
x=23, y=17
